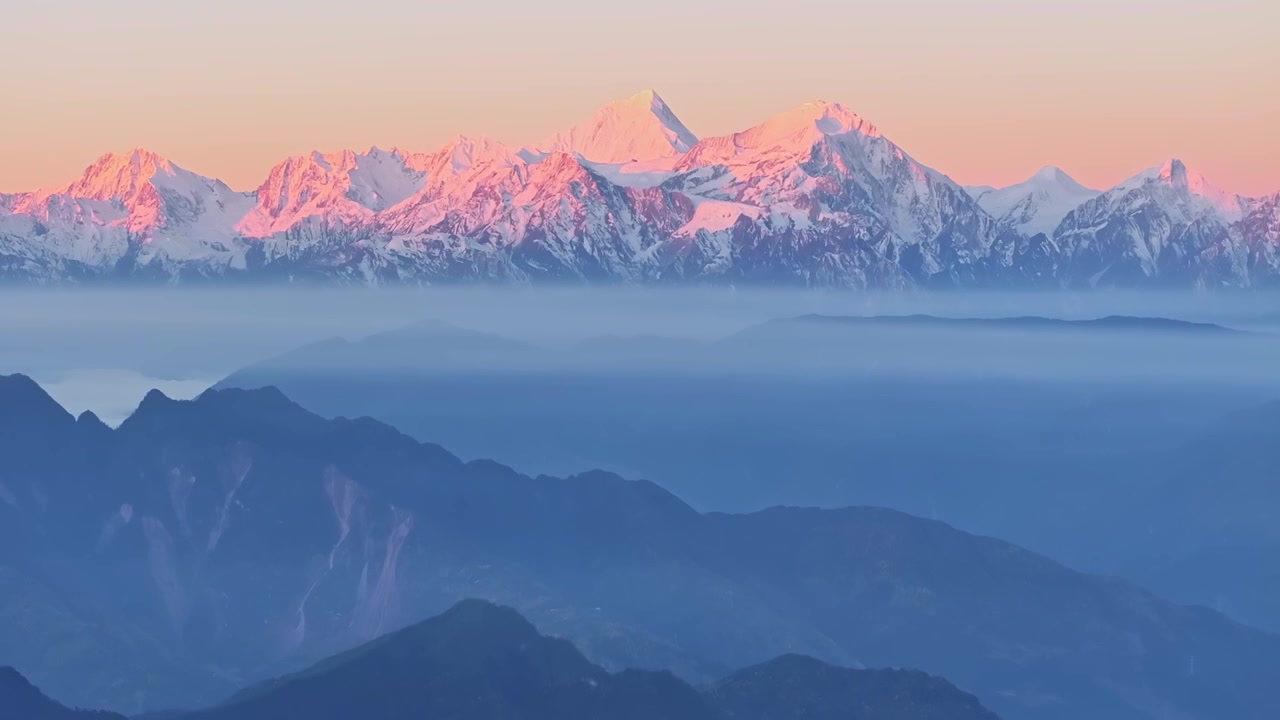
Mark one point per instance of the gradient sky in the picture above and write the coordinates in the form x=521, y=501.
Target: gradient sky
x=984, y=90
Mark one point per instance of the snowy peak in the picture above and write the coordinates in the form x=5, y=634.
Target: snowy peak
x=791, y=134
x=801, y=127
x=645, y=101
x=1037, y=204
x=1175, y=174
x=640, y=128
x=1053, y=175
x=1171, y=173
x=1185, y=192
x=131, y=177
x=1154, y=222
x=822, y=169
x=557, y=171
x=826, y=118
x=139, y=191
x=121, y=175
x=466, y=184
x=343, y=186
x=463, y=164
x=465, y=153
x=376, y=179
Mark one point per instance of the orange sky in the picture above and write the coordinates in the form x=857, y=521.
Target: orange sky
x=984, y=90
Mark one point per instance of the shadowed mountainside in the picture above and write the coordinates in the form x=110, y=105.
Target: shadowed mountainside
x=250, y=536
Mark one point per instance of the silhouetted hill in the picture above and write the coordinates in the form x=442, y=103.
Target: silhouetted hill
x=476, y=661
x=1124, y=323
x=801, y=688
x=484, y=662
x=20, y=700
x=250, y=537
x=480, y=661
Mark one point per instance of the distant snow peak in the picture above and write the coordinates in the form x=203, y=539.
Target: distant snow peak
x=118, y=175
x=647, y=100
x=1176, y=174
x=1188, y=188
x=341, y=187
x=1037, y=204
x=1171, y=173
x=793, y=133
x=836, y=119
x=151, y=191
x=823, y=117
x=639, y=128
x=1050, y=172
x=137, y=158
x=1055, y=174
x=465, y=152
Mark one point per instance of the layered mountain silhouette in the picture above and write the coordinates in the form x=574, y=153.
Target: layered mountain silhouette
x=801, y=388
x=433, y=345
x=1023, y=428
x=244, y=536
x=478, y=660
x=815, y=195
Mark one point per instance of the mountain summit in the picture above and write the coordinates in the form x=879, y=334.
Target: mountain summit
x=639, y=128
x=1188, y=189
x=136, y=203
x=805, y=125
x=339, y=187
x=140, y=191
x=1037, y=204
x=121, y=175
x=1167, y=222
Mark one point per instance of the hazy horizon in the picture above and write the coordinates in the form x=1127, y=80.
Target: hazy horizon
x=103, y=348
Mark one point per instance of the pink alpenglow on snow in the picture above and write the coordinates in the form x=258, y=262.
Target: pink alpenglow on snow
x=640, y=128
x=632, y=194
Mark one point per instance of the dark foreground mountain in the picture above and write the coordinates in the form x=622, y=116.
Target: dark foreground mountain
x=483, y=662
x=248, y=537
x=479, y=661
x=20, y=700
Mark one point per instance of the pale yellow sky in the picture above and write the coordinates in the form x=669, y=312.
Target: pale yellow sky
x=986, y=91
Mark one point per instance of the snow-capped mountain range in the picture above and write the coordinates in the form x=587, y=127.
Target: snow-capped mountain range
x=814, y=196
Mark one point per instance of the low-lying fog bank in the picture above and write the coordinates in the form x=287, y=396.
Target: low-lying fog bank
x=98, y=348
